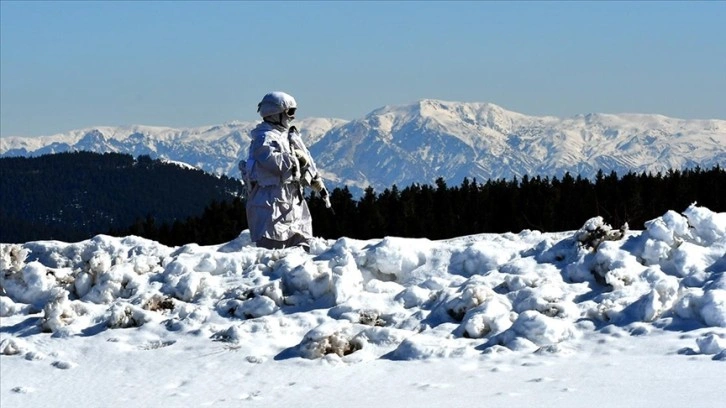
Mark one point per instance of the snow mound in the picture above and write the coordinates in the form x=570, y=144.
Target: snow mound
x=395, y=298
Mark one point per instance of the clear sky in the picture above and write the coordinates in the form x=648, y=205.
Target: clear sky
x=70, y=65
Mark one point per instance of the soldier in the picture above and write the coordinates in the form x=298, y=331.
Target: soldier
x=277, y=169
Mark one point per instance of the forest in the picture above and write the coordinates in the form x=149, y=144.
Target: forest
x=440, y=211
x=74, y=196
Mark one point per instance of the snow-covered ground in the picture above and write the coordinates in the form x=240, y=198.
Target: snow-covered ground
x=570, y=319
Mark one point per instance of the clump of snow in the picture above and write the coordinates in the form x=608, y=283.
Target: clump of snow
x=395, y=259
x=123, y=315
x=711, y=344
x=330, y=338
x=11, y=346
x=432, y=346
x=31, y=284
x=8, y=307
x=539, y=329
x=713, y=307
x=58, y=312
x=12, y=257
x=595, y=231
x=491, y=317
x=708, y=227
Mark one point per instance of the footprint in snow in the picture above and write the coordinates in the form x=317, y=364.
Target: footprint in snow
x=499, y=369
x=426, y=386
x=251, y=396
x=34, y=356
x=541, y=379
x=175, y=385
x=64, y=365
x=153, y=345
x=255, y=359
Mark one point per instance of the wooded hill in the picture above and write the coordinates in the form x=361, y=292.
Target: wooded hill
x=74, y=196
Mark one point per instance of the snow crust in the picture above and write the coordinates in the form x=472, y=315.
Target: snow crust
x=470, y=299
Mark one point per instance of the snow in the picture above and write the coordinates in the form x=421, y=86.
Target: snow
x=180, y=164
x=563, y=319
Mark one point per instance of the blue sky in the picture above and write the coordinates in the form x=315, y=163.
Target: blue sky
x=70, y=65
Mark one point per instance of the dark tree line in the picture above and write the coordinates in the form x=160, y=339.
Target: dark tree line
x=542, y=203
x=220, y=222
x=439, y=211
x=74, y=196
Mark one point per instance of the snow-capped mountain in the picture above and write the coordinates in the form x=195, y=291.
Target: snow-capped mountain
x=432, y=138
x=429, y=139
x=215, y=149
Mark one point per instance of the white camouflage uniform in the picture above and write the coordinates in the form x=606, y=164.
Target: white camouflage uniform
x=277, y=214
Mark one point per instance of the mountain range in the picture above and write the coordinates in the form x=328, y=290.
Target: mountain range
x=425, y=140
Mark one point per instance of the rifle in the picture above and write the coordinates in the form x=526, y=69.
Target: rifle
x=310, y=172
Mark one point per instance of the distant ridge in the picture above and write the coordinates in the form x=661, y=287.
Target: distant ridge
x=419, y=142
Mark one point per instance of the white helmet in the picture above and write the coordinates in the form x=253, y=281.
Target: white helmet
x=277, y=102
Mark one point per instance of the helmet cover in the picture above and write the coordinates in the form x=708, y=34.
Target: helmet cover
x=275, y=102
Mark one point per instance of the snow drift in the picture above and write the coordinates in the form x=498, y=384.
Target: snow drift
x=391, y=298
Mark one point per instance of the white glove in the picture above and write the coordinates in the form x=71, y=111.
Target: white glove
x=318, y=186
x=302, y=158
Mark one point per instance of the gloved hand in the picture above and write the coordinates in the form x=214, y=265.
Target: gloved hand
x=302, y=158
x=317, y=185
